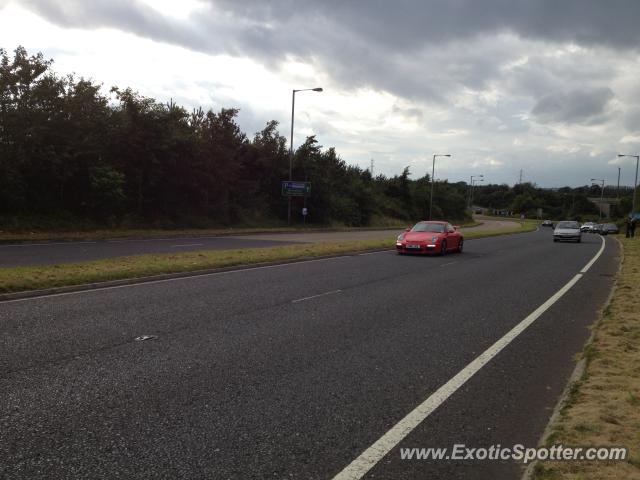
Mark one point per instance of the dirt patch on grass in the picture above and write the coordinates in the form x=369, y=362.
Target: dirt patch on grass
x=603, y=407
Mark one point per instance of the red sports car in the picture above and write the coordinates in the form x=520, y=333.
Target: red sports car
x=430, y=237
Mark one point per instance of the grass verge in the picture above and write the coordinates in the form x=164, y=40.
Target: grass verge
x=149, y=233
x=603, y=407
x=20, y=279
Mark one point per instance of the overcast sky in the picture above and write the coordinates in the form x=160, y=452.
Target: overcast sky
x=550, y=87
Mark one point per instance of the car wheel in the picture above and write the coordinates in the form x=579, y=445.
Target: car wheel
x=579, y=240
x=443, y=248
x=555, y=239
x=460, y=245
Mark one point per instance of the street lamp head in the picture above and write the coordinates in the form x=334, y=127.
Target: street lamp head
x=317, y=89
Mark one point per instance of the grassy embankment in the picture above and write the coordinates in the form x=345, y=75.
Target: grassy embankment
x=603, y=407
x=34, y=278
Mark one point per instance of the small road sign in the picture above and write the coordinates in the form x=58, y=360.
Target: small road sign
x=296, y=189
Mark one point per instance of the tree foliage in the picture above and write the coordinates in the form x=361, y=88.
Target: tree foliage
x=69, y=150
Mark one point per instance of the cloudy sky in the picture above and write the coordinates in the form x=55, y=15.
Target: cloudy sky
x=550, y=87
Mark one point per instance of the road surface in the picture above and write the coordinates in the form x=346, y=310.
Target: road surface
x=293, y=371
x=50, y=253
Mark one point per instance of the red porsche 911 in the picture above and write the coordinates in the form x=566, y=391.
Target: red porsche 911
x=430, y=237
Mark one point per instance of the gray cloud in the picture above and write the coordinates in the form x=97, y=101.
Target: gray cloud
x=128, y=16
x=632, y=120
x=412, y=48
x=409, y=112
x=486, y=68
x=577, y=106
x=410, y=23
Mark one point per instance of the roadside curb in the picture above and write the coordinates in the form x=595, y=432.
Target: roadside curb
x=6, y=297
x=577, y=374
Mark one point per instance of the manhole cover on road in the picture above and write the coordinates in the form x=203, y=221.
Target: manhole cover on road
x=142, y=338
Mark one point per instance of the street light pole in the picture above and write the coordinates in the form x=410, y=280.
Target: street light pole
x=433, y=170
x=601, y=193
x=473, y=183
x=293, y=109
x=471, y=190
x=635, y=183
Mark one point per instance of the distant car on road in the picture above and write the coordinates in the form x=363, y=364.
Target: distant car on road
x=547, y=223
x=567, y=230
x=430, y=237
x=610, y=228
x=587, y=227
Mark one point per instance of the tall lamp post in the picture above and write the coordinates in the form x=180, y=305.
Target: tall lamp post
x=433, y=170
x=471, y=189
x=475, y=182
x=293, y=109
x=601, y=193
x=635, y=183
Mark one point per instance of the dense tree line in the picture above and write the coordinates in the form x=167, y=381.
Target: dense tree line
x=69, y=154
x=565, y=202
x=68, y=151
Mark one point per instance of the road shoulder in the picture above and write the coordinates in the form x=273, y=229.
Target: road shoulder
x=602, y=403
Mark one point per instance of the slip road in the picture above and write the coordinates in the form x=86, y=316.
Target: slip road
x=294, y=371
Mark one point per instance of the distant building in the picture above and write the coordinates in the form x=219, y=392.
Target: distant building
x=606, y=204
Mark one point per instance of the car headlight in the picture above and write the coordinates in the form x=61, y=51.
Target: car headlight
x=400, y=237
x=434, y=239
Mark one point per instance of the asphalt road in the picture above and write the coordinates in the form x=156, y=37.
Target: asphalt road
x=292, y=371
x=51, y=253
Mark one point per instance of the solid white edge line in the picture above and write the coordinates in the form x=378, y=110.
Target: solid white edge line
x=450, y=263
x=593, y=260
x=376, y=253
x=43, y=244
x=316, y=296
x=372, y=455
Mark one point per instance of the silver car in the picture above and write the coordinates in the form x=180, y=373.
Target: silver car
x=587, y=227
x=567, y=231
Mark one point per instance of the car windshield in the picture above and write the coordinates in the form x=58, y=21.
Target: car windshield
x=428, y=227
x=568, y=225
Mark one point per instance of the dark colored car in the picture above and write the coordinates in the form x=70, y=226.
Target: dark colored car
x=610, y=228
x=430, y=237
